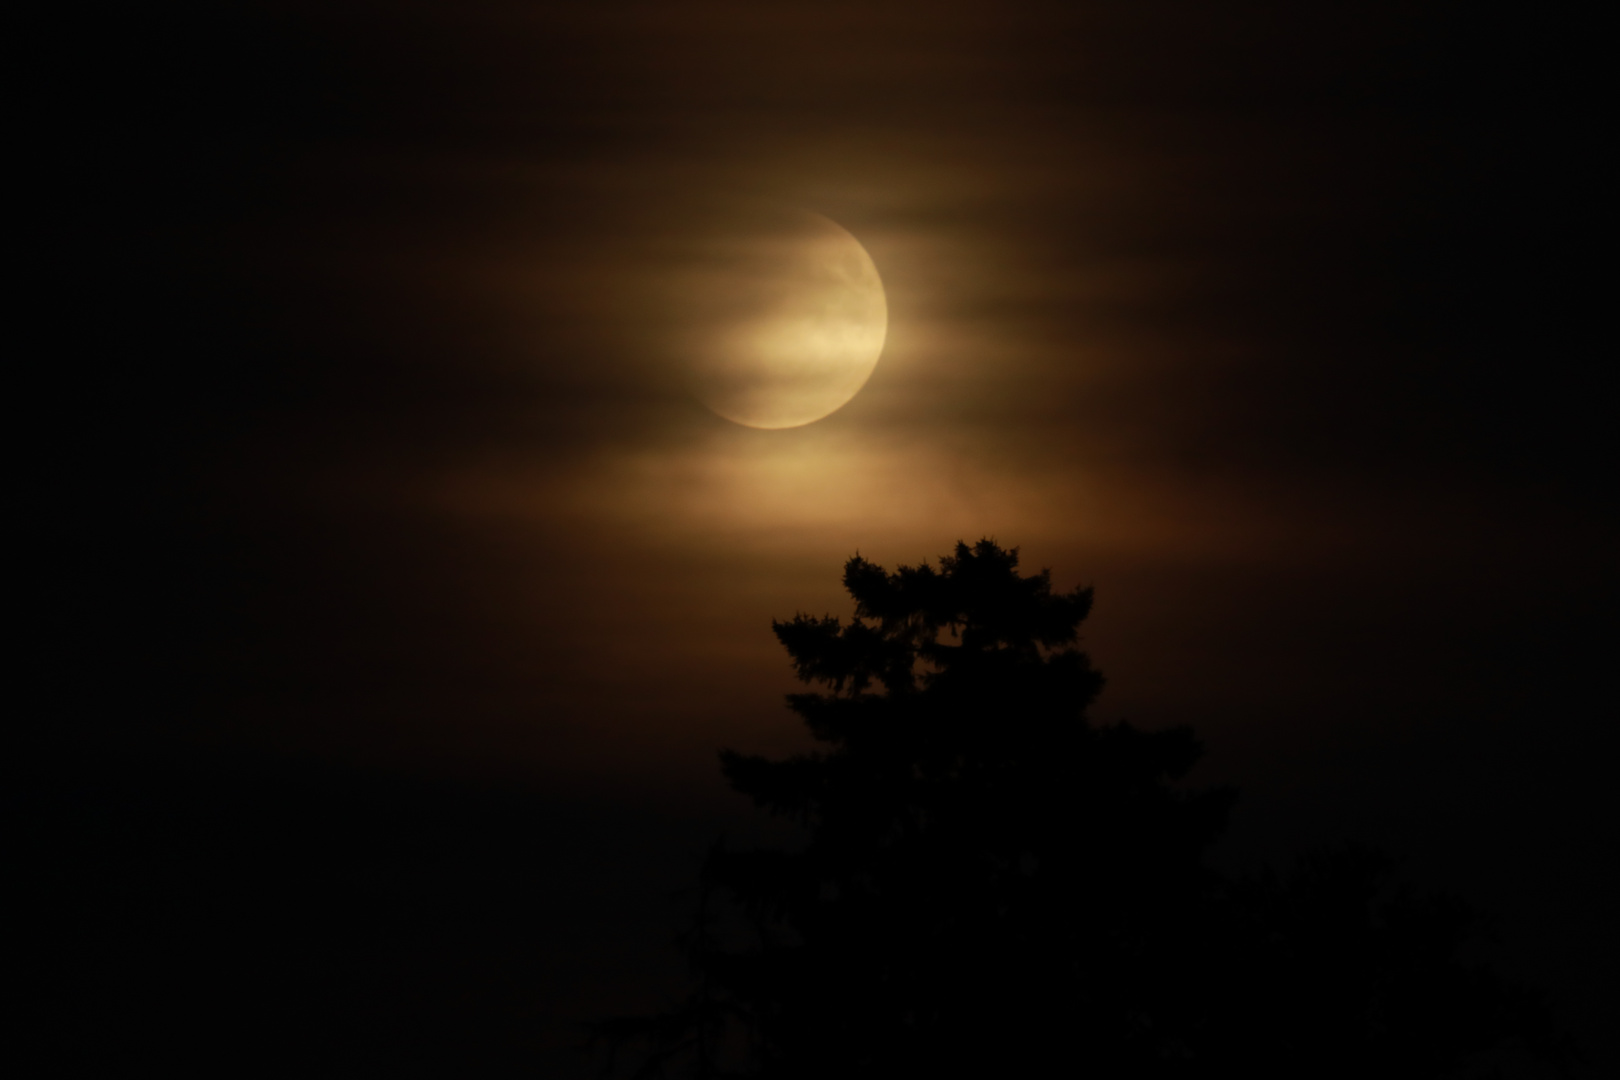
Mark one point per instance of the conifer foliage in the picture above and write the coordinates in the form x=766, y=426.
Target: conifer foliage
x=983, y=865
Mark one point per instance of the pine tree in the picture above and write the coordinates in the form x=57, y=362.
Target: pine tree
x=988, y=875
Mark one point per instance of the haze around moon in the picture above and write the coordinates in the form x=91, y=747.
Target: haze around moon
x=793, y=318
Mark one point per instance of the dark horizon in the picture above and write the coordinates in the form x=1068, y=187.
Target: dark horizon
x=366, y=476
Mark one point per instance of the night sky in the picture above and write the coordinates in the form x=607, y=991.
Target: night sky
x=370, y=505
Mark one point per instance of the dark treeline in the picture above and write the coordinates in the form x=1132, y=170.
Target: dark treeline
x=985, y=879
x=991, y=883
x=203, y=913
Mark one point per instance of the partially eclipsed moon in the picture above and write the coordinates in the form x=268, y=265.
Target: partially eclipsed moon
x=797, y=318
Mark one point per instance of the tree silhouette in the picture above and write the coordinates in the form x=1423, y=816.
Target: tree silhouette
x=991, y=883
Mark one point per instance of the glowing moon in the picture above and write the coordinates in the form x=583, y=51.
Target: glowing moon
x=797, y=320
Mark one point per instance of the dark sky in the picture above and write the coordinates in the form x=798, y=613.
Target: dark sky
x=1273, y=322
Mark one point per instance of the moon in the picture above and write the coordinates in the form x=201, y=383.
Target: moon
x=795, y=319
